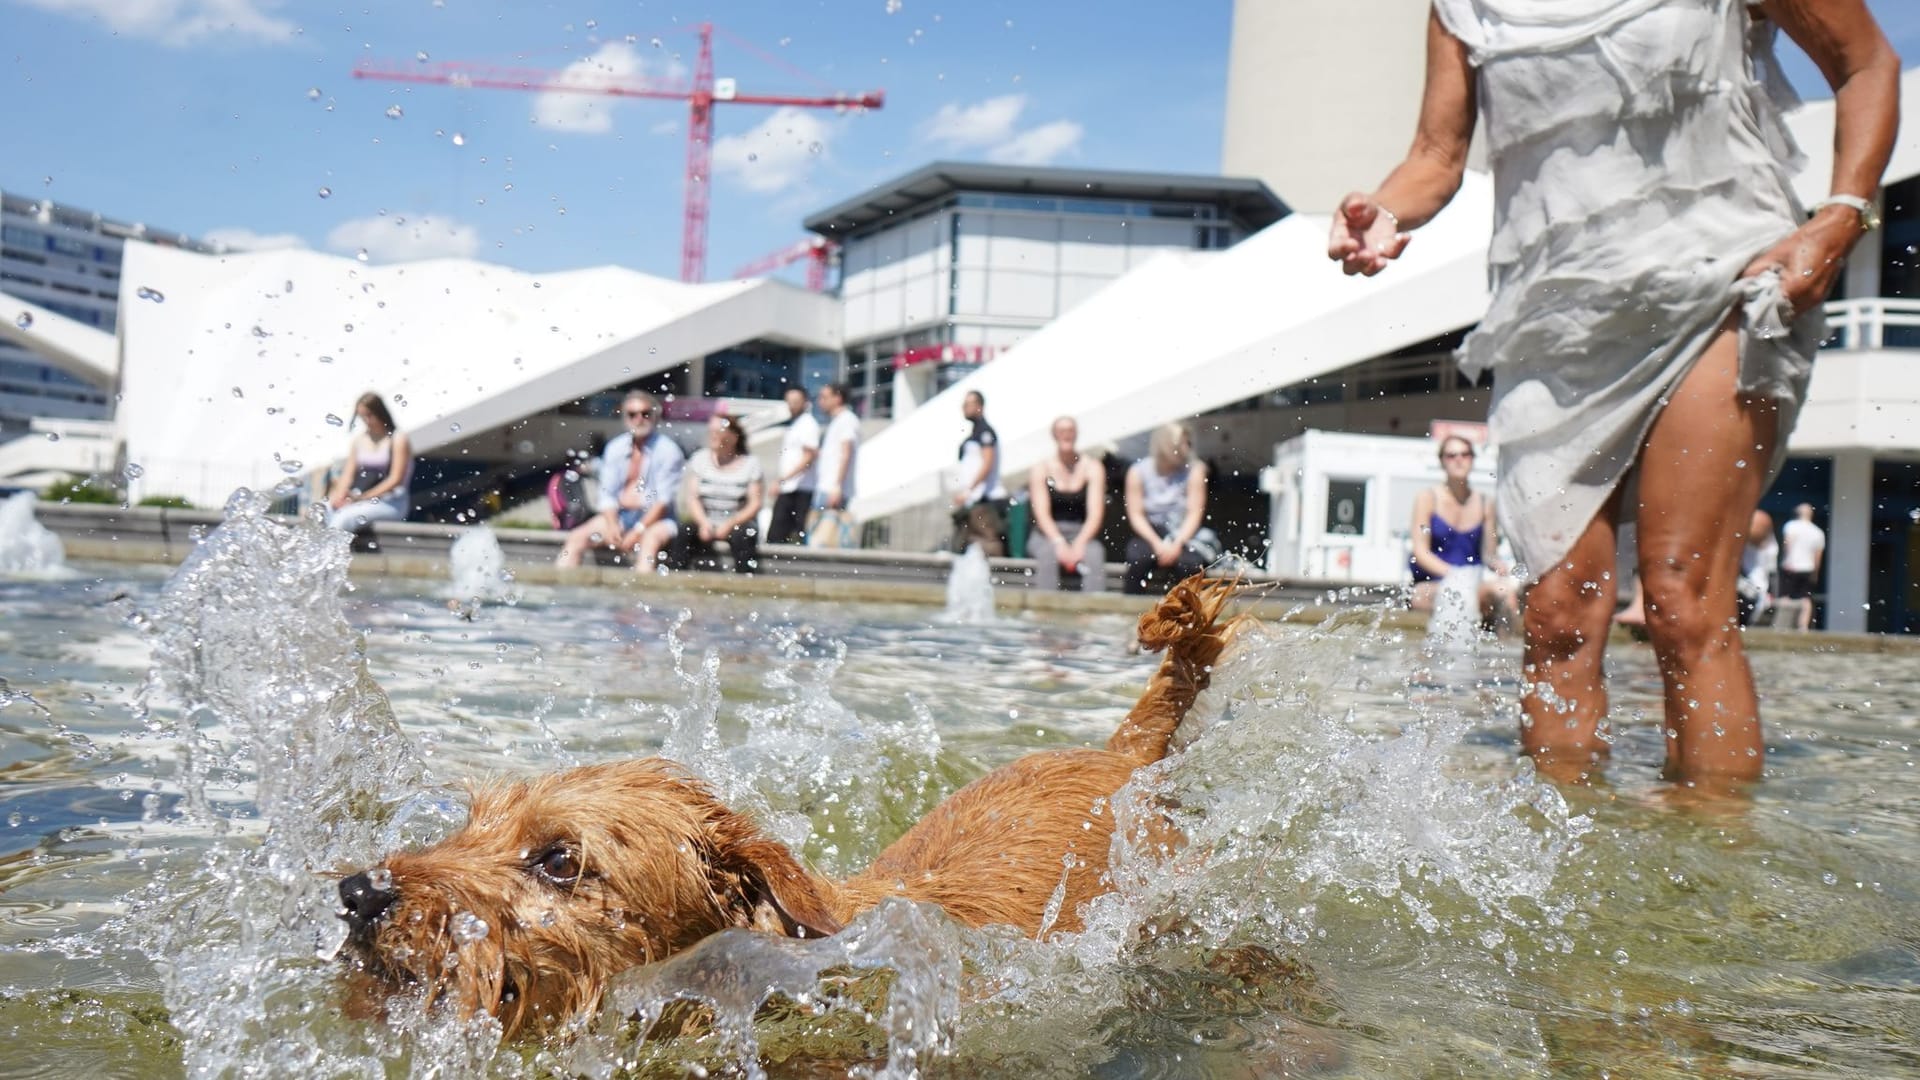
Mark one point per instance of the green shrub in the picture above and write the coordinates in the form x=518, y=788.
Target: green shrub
x=170, y=502
x=79, y=489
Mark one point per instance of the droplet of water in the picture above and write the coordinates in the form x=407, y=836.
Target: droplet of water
x=814, y=148
x=291, y=466
x=53, y=436
x=326, y=192
x=237, y=393
x=421, y=56
x=380, y=878
x=893, y=7
x=455, y=428
x=468, y=928
x=24, y=320
x=348, y=328
x=135, y=470
x=459, y=139
x=313, y=94
x=394, y=112
x=326, y=359
x=335, y=421
x=361, y=255
x=154, y=295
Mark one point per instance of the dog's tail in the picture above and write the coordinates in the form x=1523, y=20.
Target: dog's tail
x=1186, y=624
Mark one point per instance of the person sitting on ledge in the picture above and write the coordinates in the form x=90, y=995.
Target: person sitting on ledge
x=724, y=489
x=1166, y=502
x=639, y=478
x=380, y=459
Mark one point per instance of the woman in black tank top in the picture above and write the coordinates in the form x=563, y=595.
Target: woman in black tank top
x=1068, y=493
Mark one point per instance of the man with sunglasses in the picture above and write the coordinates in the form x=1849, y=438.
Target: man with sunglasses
x=639, y=480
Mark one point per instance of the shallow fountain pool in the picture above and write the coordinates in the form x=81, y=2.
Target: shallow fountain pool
x=1374, y=886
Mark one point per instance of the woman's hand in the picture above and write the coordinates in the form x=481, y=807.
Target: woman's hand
x=1366, y=237
x=1810, y=257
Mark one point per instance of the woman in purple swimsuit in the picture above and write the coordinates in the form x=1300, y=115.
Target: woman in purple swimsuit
x=1454, y=526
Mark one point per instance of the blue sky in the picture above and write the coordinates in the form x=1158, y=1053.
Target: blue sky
x=230, y=117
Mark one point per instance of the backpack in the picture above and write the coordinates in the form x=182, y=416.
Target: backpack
x=567, y=499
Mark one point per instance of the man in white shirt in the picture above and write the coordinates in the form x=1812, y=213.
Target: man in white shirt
x=1803, y=544
x=1759, y=559
x=839, y=452
x=799, y=453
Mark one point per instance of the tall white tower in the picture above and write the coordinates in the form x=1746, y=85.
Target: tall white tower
x=1322, y=95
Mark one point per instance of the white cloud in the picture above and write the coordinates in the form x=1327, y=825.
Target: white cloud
x=1039, y=146
x=990, y=127
x=777, y=155
x=180, y=22
x=401, y=238
x=238, y=238
x=615, y=63
x=983, y=123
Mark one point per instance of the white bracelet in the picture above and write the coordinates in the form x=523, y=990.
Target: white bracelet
x=1869, y=217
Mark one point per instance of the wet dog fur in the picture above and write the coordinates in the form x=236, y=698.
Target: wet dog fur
x=557, y=884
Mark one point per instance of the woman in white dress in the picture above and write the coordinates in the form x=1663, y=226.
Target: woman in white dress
x=1656, y=307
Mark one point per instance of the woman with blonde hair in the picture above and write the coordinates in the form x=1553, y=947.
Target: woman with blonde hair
x=1166, y=503
x=1068, y=493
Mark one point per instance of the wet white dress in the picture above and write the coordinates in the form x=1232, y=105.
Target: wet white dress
x=1639, y=163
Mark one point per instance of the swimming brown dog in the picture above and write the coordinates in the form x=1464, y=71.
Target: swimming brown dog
x=555, y=885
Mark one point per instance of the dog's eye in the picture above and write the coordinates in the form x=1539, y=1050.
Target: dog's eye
x=559, y=865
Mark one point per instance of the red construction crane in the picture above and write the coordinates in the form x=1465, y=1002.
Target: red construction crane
x=817, y=250
x=702, y=93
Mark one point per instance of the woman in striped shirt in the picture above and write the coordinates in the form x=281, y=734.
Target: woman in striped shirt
x=724, y=489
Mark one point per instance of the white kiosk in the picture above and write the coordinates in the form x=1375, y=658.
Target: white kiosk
x=1343, y=503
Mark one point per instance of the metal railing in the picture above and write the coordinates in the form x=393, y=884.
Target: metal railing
x=1873, y=322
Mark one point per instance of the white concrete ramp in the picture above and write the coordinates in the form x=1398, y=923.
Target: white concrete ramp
x=241, y=369
x=85, y=352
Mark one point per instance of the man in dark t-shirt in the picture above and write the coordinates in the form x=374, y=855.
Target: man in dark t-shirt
x=980, y=500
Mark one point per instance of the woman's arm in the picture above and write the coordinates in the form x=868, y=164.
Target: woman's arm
x=749, y=509
x=1364, y=237
x=396, y=468
x=343, y=479
x=690, y=494
x=1846, y=44
x=1096, y=499
x=1196, y=503
x=1137, y=510
x=1042, y=504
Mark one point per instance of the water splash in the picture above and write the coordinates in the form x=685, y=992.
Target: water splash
x=970, y=589
x=28, y=548
x=263, y=687
x=915, y=950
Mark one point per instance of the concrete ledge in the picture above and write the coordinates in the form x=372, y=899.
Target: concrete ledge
x=155, y=535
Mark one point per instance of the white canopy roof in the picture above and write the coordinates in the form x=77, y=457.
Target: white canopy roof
x=1192, y=332
x=238, y=368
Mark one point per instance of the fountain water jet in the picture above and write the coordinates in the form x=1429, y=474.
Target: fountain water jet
x=28, y=548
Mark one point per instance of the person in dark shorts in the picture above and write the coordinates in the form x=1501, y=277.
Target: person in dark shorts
x=980, y=504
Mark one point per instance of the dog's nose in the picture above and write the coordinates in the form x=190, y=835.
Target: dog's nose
x=362, y=900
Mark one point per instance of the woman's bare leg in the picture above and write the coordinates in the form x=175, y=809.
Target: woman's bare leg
x=1700, y=478
x=1568, y=613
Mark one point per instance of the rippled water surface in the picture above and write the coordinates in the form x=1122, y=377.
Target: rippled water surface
x=1373, y=885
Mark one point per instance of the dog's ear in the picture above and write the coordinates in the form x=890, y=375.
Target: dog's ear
x=773, y=893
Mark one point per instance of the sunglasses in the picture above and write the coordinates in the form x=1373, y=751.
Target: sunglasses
x=639, y=414
x=1458, y=454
